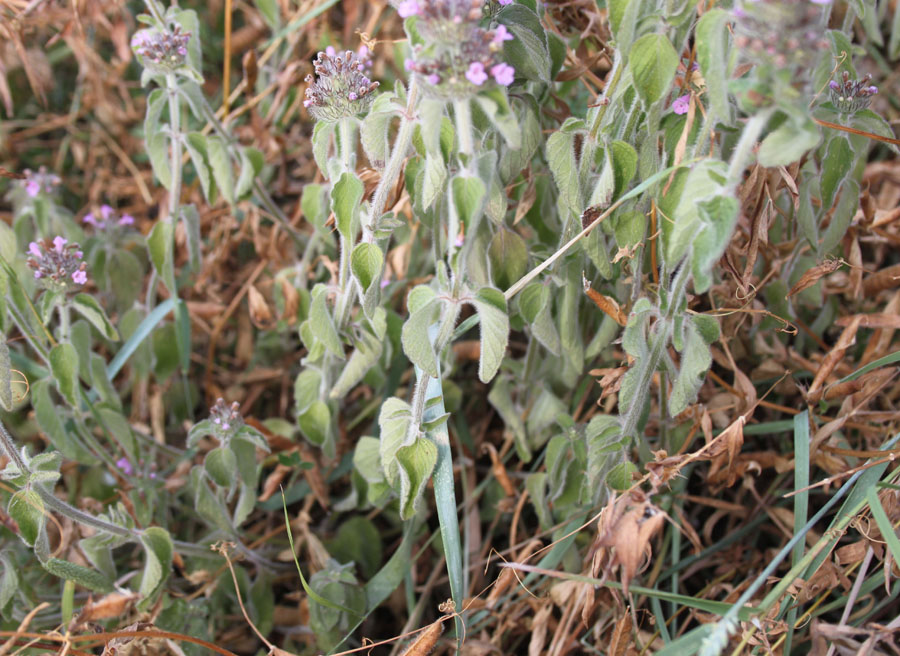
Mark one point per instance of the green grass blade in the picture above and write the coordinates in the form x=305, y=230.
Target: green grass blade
x=143, y=331
x=884, y=523
x=801, y=504
x=891, y=358
x=315, y=596
x=445, y=494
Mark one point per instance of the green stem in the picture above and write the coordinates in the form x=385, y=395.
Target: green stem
x=64, y=321
x=607, y=93
x=176, y=151
x=346, y=147
x=462, y=112
x=394, y=165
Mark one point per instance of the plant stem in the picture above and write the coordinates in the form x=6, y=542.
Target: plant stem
x=345, y=135
x=64, y=322
x=394, y=165
x=607, y=92
x=176, y=151
x=462, y=112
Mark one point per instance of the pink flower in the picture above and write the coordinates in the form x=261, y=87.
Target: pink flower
x=505, y=2
x=409, y=64
x=106, y=211
x=59, y=243
x=89, y=219
x=330, y=51
x=476, y=74
x=433, y=79
x=408, y=8
x=80, y=277
x=503, y=73
x=34, y=249
x=32, y=188
x=126, y=219
x=123, y=464
x=681, y=104
x=501, y=34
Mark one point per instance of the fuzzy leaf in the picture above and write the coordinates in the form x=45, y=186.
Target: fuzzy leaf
x=345, y=198
x=492, y=310
x=158, y=551
x=415, y=464
x=64, y=365
x=653, y=61
x=90, y=309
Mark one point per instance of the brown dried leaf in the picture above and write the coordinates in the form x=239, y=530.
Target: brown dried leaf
x=539, y=627
x=845, y=341
x=425, y=643
x=606, y=303
x=260, y=313
x=621, y=636
x=812, y=276
x=112, y=605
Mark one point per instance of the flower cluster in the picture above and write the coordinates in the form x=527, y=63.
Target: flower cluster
x=785, y=33
x=341, y=87
x=226, y=419
x=462, y=70
x=163, y=50
x=107, y=219
x=38, y=182
x=57, y=264
x=849, y=96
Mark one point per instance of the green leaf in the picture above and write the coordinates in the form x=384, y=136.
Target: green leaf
x=373, y=133
x=624, y=162
x=221, y=465
x=532, y=299
x=315, y=423
x=416, y=462
x=314, y=205
x=323, y=325
x=158, y=551
x=6, y=395
x=345, y=198
x=706, y=180
x=90, y=309
x=841, y=217
x=468, y=196
x=252, y=161
x=416, y=344
x=393, y=420
x=157, y=149
x=220, y=163
x=789, y=142
x=64, y=366
x=306, y=389
x=196, y=145
x=561, y=160
x=718, y=217
x=835, y=166
x=87, y=578
x=433, y=177
x=711, y=37
x=620, y=478
x=695, y=362
x=528, y=49
x=365, y=355
x=494, y=103
x=508, y=256
x=623, y=16
x=501, y=399
x=50, y=422
x=156, y=103
x=9, y=582
x=653, y=61
x=321, y=139
x=365, y=263
x=160, y=243
x=27, y=508
x=492, y=310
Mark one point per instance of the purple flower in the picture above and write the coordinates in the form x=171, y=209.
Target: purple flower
x=821, y=2
x=834, y=85
x=330, y=51
x=38, y=275
x=873, y=90
x=80, y=277
x=408, y=8
x=126, y=219
x=433, y=79
x=352, y=96
x=503, y=73
x=385, y=282
x=89, y=219
x=124, y=464
x=505, y=2
x=681, y=104
x=501, y=34
x=409, y=64
x=106, y=211
x=32, y=188
x=59, y=243
x=34, y=249
x=476, y=74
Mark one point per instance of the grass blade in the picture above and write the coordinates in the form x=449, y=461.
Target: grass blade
x=143, y=331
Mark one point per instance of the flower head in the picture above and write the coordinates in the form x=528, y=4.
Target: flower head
x=57, y=264
x=501, y=34
x=226, y=419
x=39, y=182
x=444, y=22
x=849, y=96
x=681, y=104
x=108, y=219
x=162, y=50
x=475, y=74
x=503, y=74
x=340, y=88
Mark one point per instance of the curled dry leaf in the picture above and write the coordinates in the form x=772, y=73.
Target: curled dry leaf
x=539, y=626
x=835, y=355
x=607, y=304
x=425, y=643
x=112, y=605
x=260, y=313
x=812, y=276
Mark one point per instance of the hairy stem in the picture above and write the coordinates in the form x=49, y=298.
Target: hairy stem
x=462, y=112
